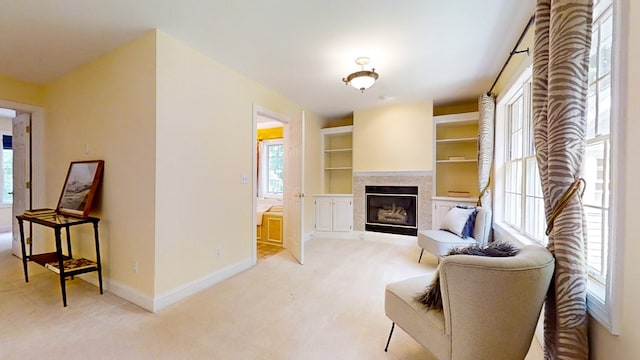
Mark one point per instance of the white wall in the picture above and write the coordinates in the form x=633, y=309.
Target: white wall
x=394, y=138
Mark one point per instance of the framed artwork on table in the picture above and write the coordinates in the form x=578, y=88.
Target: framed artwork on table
x=80, y=188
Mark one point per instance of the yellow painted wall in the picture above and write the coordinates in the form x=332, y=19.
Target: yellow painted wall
x=109, y=104
x=394, y=138
x=605, y=346
x=460, y=107
x=201, y=204
x=267, y=134
x=20, y=91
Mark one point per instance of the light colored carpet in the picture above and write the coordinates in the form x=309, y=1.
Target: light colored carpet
x=330, y=308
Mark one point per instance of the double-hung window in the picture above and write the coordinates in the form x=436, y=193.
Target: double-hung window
x=272, y=168
x=523, y=201
x=519, y=200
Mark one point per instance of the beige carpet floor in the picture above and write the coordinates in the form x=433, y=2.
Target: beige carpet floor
x=330, y=308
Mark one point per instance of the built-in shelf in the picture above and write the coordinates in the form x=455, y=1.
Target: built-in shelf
x=339, y=168
x=459, y=140
x=337, y=159
x=457, y=161
x=337, y=150
x=456, y=154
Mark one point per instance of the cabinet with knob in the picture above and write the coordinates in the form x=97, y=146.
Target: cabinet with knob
x=334, y=212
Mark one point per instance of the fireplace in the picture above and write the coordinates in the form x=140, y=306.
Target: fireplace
x=392, y=209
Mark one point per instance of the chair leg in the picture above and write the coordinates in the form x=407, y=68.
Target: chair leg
x=420, y=258
x=393, y=325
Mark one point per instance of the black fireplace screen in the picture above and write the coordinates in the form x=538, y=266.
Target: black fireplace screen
x=392, y=209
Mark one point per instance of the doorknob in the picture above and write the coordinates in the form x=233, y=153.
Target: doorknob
x=10, y=193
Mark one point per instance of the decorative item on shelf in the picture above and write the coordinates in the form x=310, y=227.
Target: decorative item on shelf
x=40, y=212
x=80, y=188
x=457, y=158
x=454, y=193
x=71, y=265
x=363, y=79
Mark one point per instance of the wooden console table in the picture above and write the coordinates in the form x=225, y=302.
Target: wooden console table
x=56, y=261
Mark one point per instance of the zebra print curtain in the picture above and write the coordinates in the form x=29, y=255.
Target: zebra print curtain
x=486, y=125
x=560, y=69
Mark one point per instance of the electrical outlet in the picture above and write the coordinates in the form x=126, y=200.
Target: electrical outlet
x=218, y=251
x=134, y=266
x=244, y=179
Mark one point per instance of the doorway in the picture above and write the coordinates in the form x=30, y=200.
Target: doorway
x=269, y=172
x=27, y=168
x=7, y=117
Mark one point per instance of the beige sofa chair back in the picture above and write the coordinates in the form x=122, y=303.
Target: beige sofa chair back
x=482, y=226
x=490, y=305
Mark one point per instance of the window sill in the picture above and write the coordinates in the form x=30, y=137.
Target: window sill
x=504, y=232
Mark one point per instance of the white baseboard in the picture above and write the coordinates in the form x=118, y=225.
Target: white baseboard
x=336, y=234
x=186, y=290
x=170, y=297
x=121, y=290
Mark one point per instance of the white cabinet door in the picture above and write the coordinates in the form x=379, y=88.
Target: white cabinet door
x=342, y=214
x=324, y=214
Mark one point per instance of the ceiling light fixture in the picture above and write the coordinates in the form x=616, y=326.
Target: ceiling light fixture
x=363, y=79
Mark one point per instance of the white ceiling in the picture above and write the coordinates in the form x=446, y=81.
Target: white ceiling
x=445, y=50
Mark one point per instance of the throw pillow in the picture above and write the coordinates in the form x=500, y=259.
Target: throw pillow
x=432, y=297
x=456, y=219
x=467, y=231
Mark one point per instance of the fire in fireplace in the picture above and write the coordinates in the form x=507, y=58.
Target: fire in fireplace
x=392, y=209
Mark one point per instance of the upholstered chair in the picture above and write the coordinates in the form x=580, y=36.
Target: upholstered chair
x=490, y=306
x=439, y=242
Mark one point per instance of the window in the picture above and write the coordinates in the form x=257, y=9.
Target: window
x=272, y=167
x=519, y=200
x=597, y=163
x=523, y=201
x=7, y=170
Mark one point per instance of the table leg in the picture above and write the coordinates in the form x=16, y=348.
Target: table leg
x=66, y=230
x=95, y=235
x=61, y=266
x=24, y=251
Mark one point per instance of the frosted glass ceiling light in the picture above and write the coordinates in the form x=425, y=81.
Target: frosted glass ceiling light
x=364, y=79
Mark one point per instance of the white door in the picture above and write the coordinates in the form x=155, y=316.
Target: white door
x=294, y=188
x=21, y=194
x=324, y=213
x=342, y=213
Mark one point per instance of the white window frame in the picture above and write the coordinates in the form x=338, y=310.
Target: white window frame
x=603, y=302
x=264, y=168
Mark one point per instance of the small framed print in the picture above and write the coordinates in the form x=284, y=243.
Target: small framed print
x=80, y=188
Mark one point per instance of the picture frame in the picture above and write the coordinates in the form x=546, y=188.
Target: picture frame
x=80, y=188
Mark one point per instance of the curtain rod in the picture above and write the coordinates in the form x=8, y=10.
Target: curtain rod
x=513, y=52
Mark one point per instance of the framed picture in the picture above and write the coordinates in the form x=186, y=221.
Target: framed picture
x=80, y=187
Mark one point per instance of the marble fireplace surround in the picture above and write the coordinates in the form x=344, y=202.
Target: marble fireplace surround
x=422, y=179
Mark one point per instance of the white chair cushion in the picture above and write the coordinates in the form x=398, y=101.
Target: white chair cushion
x=456, y=219
x=439, y=242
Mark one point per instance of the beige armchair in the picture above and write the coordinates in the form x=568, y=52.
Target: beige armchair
x=490, y=305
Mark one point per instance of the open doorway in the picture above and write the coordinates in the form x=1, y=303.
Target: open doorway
x=269, y=180
x=6, y=177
